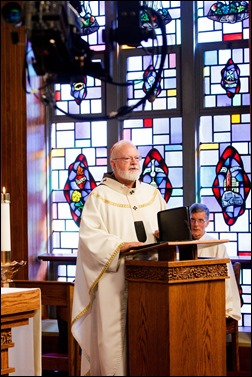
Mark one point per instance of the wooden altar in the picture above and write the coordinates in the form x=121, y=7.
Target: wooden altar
x=176, y=317
x=17, y=306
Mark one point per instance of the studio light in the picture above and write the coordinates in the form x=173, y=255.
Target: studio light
x=12, y=13
x=53, y=31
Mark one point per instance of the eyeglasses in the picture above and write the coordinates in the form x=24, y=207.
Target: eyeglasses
x=128, y=159
x=200, y=221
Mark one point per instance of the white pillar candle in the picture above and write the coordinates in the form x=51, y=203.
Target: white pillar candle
x=5, y=227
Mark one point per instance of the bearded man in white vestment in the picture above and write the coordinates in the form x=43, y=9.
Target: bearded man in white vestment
x=199, y=218
x=119, y=214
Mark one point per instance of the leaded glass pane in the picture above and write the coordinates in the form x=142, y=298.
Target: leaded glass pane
x=92, y=103
x=97, y=9
x=167, y=99
x=228, y=29
x=165, y=135
x=173, y=28
x=216, y=134
x=215, y=61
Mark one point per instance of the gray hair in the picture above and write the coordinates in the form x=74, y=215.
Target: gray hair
x=199, y=207
x=117, y=146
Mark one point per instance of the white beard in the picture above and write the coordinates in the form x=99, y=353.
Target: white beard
x=130, y=175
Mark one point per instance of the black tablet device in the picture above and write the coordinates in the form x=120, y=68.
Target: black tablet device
x=174, y=224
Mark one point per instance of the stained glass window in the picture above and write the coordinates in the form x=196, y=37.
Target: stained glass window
x=71, y=143
x=216, y=134
x=214, y=62
x=224, y=139
x=217, y=142
x=173, y=25
x=212, y=30
x=166, y=135
x=228, y=11
x=224, y=166
x=167, y=99
x=95, y=9
x=92, y=104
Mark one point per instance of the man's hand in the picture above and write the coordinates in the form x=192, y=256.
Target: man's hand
x=129, y=246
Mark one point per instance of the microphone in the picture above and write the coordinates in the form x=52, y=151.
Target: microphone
x=140, y=231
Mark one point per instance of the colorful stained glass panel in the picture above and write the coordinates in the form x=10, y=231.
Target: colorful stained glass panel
x=219, y=67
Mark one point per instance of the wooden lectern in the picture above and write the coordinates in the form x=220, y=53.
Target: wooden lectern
x=176, y=316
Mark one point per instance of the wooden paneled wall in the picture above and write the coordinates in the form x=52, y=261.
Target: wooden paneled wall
x=22, y=150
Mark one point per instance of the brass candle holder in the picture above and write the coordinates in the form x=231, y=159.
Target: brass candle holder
x=8, y=268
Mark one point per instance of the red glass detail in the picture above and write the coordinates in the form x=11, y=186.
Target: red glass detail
x=231, y=185
x=148, y=123
x=57, y=95
x=232, y=37
x=244, y=254
x=155, y=172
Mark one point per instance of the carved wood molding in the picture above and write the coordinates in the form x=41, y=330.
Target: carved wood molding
x=166, y=274
x=6, y=337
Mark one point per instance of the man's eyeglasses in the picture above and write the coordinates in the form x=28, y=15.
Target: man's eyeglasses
x=128, y=159
x=200, y=221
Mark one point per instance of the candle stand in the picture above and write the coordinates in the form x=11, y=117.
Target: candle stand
x=8, y=270
x=8, y=267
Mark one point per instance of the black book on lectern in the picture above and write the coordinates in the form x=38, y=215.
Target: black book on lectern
x=174, y=225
